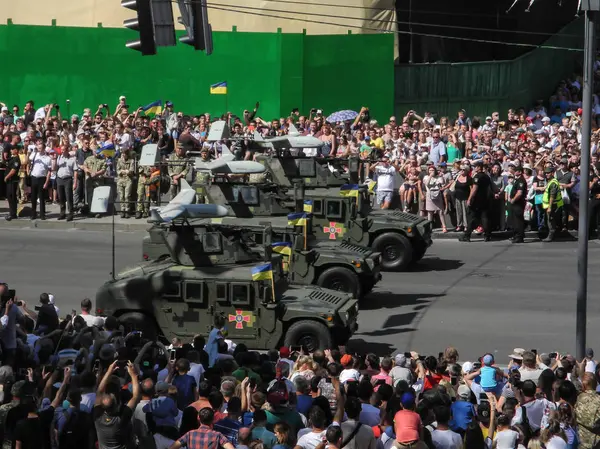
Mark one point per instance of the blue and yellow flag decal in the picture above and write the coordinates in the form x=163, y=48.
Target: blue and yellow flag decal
x=262, y=272
x=372, y=186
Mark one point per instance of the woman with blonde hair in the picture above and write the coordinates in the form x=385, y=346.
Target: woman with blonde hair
x=304, y=367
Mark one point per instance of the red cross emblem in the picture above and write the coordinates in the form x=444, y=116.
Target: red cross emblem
x=332, y=230
x=240, y=318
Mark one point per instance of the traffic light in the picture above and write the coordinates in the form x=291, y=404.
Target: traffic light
x=199, y=31
x=142, y=24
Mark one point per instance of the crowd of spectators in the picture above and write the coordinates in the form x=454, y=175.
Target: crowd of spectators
x=86, y=381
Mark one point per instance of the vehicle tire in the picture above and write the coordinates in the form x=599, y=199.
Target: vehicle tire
x=418, y=252
x=138, y=321
x=312, y=334
x=340, y=279
x=396, y=251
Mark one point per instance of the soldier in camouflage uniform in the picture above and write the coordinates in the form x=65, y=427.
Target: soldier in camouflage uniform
x=18, y=390
x=203, y=176
x=587, y=412
x=125, y=175
x=95, y=168
x=143, y=192
x=178, y=168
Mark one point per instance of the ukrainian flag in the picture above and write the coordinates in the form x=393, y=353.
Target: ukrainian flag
x=107, y=150
x=349, y=190
x=153, y=108
x=284, y=248
x=298, y=219
x=262, y=272
x=219, y=88
x=308, y=206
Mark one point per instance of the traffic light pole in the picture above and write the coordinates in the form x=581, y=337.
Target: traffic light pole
x=591, y=8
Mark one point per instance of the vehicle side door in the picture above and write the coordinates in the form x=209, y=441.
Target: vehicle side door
x=329, y=218
x=237, y=302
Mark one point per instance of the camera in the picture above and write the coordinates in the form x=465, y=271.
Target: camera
x=105, y=105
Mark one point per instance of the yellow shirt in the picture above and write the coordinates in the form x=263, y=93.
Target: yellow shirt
x=377, y=143
x=24, y=162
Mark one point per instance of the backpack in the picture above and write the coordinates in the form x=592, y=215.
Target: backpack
x=76, y=431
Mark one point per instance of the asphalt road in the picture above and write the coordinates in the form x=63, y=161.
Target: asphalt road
x=478, y=297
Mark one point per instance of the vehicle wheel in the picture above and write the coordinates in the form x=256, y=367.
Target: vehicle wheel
x=340, y=279
x=396, y=251
x=312, y=334
x=418, y=253
x=135, y=321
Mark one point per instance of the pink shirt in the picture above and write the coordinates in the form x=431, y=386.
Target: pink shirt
x=407, y=425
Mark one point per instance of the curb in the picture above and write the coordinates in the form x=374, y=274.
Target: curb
x=81, y=224
x=500, y=235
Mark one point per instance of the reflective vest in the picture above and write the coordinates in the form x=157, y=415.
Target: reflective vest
x=558, y=201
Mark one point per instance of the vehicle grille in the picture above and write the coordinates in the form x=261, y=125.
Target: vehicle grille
x=321, y=295
x=406, y=216
x=355, y=248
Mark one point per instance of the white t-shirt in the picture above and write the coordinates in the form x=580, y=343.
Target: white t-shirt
x=89, y=319
x=349, y=374
x=538, y=412
x=196, y=371
x=307, y=439
x=507, y=439
x=385, y=178
x=446, y=439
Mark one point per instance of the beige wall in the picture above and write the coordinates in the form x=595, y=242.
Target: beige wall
x=88, y=13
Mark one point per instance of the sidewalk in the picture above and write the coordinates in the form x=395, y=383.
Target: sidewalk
x=132, y=225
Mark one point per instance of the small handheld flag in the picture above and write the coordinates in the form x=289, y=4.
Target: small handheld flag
x=106, y=150
x=298, y=219
x=308, y=206
x=153, y=108
x=349, y=190
x=262, y=272
x=284, y=248
x=219, y=88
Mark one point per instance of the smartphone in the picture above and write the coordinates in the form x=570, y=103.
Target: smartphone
x=12, y=293
x=328, y=380
x=454, y=381
x=407, y=355
x=440, y=355
x=421, y=357
x=553, y=355
x=96, y=367
x=172, y=355
x=476, y=365
x=295, y=110
x=252, y=383
x=295, y=348
x=534, y=351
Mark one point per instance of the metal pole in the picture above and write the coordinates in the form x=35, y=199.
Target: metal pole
x=113, y=241
x=410, y=50
x=582, y=250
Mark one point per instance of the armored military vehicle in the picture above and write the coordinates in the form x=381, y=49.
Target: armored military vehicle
x=401, y=238
x=164, y=299
x=344, y=267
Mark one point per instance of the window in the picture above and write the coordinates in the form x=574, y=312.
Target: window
x=318, y=207
x=334, y=209
x=172, y=289
x=194, y=291
x=221, y=292
x=211, y=242
x=240, y=294
x=306, y=168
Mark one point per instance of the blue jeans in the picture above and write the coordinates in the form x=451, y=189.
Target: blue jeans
x=540, y=215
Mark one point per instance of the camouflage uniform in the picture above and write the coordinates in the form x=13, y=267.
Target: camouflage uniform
x=177, y=165
x=143, y=192
x=94, y=164
x=125, y=183
x=202, y=178
x=587, y=411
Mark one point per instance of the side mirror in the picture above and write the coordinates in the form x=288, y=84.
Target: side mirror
x=298, y=242
x=353, y=209
x=267, y=294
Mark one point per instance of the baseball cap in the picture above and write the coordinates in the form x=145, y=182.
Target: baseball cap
x=122, y=97
x=467, y=367
x=564, y=161
x=549, y=170
x=546, y=119
x=346, y=360
x=488, y=359
x=589, y=353
x=4, y=109
x=407, y=400
x=579, y=111
x=442, y=164
x=488, y=118
x=464, y=392
x=162, y=388
x=284, y=352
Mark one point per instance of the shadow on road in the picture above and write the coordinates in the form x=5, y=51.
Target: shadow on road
x=389, y=300
x=359, y=346
x=436, y=264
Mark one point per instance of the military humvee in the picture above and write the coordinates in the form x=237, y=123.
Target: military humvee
x=164, y=299
x=401, y=238
x=345, y=267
